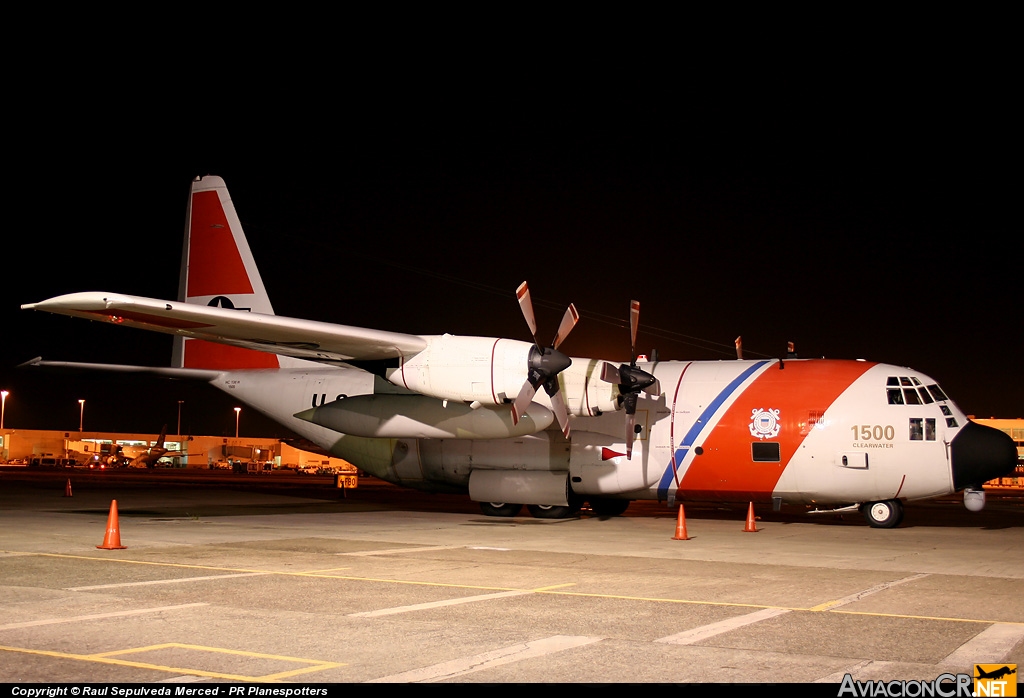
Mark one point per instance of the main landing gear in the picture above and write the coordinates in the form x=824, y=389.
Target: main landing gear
x=500, y=509
x=602, y=507
x=885, y=514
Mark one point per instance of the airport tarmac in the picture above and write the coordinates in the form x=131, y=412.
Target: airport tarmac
x=219, y=583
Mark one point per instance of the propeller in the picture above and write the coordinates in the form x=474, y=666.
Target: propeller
x=631, y=380
x=544, y=363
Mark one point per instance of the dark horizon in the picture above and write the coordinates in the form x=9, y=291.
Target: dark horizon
x=891, y=239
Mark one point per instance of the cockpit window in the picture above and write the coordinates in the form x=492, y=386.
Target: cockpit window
x=913, y=391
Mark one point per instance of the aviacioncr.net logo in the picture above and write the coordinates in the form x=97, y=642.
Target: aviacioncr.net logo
x=944, y=686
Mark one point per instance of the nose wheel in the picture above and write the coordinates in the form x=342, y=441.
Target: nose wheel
x=885, y=514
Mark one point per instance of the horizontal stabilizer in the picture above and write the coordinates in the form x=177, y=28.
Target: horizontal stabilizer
x=158, y=371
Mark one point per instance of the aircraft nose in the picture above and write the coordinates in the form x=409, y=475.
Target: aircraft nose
x=981, y=454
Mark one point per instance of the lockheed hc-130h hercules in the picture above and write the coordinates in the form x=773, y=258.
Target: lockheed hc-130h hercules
x=518, y=423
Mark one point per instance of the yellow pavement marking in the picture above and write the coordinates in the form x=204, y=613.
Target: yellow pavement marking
x=821, y=608
x=943, y=618
x=108, y=658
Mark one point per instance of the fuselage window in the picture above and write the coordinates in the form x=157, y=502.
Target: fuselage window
x=951, y=422
x=945, y=410
x=922, y=429
x=916, y=429
x=765, y=452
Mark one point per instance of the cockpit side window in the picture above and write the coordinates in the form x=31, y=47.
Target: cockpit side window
x=936, y=392
x=895, y=396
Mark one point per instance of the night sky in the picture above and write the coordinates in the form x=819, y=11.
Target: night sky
x=858, y=221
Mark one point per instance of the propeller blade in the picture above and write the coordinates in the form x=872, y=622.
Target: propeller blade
x=558, y=407
x=634, y=322
x=610, y=373
x=739, y=347
x=523, y=400
x=569, y=321
x=544, y=363
x=654, y=389
x=523, y=295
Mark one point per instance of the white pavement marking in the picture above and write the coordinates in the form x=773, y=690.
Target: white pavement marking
x=182, y=679
x=695, y=635
x=98, y=616
x=436, y=604
x=393, y=551
x=487, y=660
x=867, y=592
x=167, y=581
x=990, y=646
x=866, y=664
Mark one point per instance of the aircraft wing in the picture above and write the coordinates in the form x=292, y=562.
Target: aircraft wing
x=304, y=339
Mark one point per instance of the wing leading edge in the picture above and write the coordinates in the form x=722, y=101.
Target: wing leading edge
x=305, y=339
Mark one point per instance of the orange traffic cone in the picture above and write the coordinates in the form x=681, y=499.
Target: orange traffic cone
x=67, y=488
x=112, y=538
x=751, y=527
x=681, y=526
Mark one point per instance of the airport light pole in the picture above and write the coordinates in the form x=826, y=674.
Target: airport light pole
x=238, y=411
x=179, y=417
x=81, y=414
x=3, y=405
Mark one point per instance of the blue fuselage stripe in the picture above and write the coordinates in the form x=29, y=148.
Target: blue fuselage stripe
x=683, y=448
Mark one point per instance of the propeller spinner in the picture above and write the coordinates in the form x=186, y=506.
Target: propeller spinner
x=631, y=380
x=544, y=363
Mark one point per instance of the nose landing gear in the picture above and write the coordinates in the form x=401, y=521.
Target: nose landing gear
x=885, y=514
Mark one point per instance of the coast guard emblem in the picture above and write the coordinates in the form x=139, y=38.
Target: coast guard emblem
x=764, y=424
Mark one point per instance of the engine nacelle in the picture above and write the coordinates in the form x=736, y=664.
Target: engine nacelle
x=469, y=369
x=491, y=371
x=423, y=417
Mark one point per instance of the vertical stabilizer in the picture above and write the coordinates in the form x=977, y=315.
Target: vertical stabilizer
x=218, y=270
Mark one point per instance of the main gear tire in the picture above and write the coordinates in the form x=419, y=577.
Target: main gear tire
x=500, y=509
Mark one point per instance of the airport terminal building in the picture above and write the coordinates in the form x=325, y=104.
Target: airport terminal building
x=102, y=450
